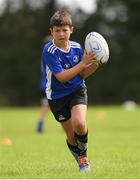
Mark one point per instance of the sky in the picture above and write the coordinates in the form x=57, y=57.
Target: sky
x=86, y=5
x=1, y=4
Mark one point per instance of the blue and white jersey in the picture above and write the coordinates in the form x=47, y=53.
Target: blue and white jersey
x=55, y=61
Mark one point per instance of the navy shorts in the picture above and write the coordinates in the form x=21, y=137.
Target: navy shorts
x=61, y=108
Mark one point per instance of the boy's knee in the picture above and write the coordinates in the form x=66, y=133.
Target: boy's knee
x=80, y=126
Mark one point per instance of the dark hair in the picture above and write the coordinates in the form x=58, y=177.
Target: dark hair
x=61, y=18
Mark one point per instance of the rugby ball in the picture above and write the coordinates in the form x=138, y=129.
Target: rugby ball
x=97, y=43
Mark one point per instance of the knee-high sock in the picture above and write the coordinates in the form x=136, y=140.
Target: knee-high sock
x=82, y=143
x=81, y=148
x=74, y=150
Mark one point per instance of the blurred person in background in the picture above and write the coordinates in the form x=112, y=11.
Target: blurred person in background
x=44, y=100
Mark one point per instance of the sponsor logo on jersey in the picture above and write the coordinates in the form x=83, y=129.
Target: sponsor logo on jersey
x=67, y=66
x=76, y=59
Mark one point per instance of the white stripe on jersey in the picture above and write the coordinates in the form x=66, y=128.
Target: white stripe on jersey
x=48, y=87
x=52, y=49
x=75, y=44
x=76, y=47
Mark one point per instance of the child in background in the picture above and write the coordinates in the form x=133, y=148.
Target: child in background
x=44, y=100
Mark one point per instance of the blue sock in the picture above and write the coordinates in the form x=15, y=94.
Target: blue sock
x=40, y=126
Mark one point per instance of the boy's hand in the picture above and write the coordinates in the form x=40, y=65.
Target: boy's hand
x=88, y=58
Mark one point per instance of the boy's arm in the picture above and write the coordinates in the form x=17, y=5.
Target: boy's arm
x=68, y=74
x=89, y=70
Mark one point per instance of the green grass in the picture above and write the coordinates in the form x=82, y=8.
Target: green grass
x=114, y=145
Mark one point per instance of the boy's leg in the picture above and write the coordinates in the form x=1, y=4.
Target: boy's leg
x=78, y=150
x=78, y=116
x=82, y=143
x=77, y=142
x=74, y=150
x=71, y=142
x=73, y=110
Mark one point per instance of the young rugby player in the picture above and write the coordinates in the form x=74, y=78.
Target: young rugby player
x=66, y=67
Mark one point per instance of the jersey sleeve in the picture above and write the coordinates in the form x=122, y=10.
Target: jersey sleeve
x=52, y=62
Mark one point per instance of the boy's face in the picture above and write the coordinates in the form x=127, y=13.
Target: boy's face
x=61, y=34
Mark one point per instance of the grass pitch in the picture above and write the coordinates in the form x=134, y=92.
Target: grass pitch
x=114, y=145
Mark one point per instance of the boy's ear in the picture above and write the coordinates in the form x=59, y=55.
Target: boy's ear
x=71, y=29
x=51, y=30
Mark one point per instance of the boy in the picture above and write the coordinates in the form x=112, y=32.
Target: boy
x=66, y=67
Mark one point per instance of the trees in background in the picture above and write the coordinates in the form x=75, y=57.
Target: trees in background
x=21, y=41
